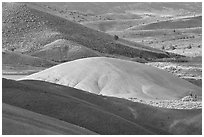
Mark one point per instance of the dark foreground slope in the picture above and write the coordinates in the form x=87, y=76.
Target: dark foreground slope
x=101, y=114
x=27, y=29
x=21, y=121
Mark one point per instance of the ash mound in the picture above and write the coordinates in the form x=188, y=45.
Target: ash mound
x=118, y=78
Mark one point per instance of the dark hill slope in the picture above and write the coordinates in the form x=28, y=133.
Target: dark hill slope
x=18, y=121
x=12, y=58
x=67, y=108
x=101, y=114
x=190, y=22
x=27, y=30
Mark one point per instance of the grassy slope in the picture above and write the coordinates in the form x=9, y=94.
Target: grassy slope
x=17, y=59
x=121, y=7
x=27, y=30
x=119, y=25
x=156, y=12
x=94, y=8
x=16, y=63
x=18, y=121
x=64, y=50
x=61, y=105
x=180, y=33
x=131, y=33
x=190, y=22
x=104, y=115
x=195, y=82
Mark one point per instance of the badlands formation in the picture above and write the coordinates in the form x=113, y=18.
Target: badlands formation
x=118, y=78
x=79, y=82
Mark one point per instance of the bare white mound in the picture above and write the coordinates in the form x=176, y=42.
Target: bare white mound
x=119, y=78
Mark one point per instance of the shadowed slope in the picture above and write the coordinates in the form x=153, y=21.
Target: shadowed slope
x=118, y=78
x=104, y=115
x=190, y=22
x=12, y=58
x=18, y=121
x=61, y=105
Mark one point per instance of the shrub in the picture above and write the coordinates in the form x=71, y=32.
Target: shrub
x=189, y=46
x=116, y=37
x=172, y=47
x=140, y=60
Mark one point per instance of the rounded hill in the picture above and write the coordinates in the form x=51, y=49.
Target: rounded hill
x=118, y=78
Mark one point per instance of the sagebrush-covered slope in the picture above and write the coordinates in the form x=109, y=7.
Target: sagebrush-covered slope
x=27, y=29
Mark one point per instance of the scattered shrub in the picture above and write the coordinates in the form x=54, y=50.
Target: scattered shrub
x=171, y=47
x=116, y=37
x=178, y=59
x=189, y=46
x=140, y=60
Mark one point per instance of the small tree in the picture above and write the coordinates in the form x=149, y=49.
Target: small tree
x=116, y=37
x=162, y=47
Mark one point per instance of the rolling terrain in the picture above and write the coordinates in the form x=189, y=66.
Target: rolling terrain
x=17, y=63
x=22, y=59
x=27, y=29
x=93, y=11
x=184, y=34
x=118, y=78
x=152, y=17
x=95, y=112
x=108, y=68
x=190, y=22
x=64, y=50
x=125, y=19
x=31, y=29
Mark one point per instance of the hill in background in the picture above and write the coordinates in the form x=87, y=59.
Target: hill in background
x=27, y=30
